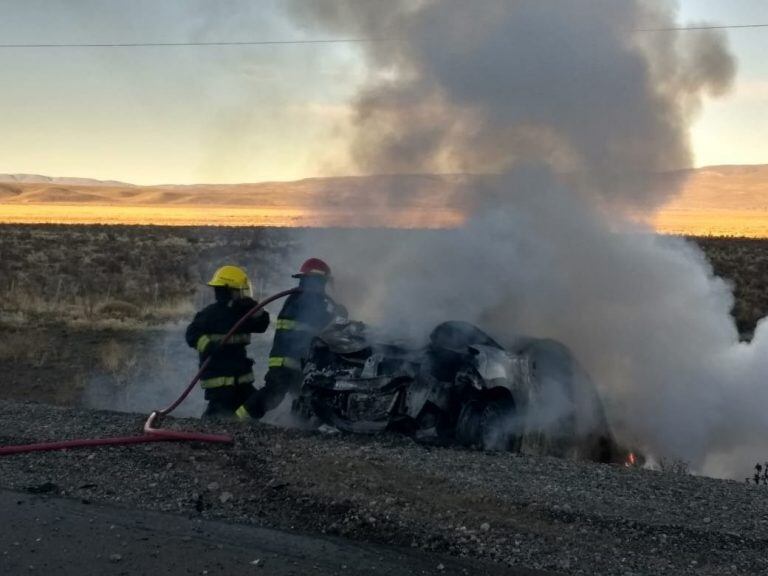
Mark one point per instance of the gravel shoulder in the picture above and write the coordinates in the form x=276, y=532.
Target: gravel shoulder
x=493, y=510
x=66, y=537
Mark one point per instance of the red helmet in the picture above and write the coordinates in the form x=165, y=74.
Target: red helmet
x=314, y=267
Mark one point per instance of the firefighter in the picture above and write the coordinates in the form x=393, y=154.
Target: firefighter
x=228, y=378
x=303, y=316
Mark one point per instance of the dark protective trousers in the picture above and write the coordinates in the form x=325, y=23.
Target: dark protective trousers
x=222, y=402
x=277, y=383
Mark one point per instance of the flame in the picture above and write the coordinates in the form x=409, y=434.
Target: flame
x=631, y=460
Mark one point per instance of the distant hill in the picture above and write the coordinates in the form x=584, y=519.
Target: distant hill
x=39, y=179
x=372, y=201
x=725, y=188
x=709, y=188
x=400, y=191
x=719, y=201
x=714, y=200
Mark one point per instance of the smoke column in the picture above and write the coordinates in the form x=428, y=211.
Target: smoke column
x=574, y=110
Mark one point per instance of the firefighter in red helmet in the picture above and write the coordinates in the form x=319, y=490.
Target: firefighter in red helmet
x=304, y=315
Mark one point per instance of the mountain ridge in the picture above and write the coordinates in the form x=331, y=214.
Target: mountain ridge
x=713, y=200
x=720, y=187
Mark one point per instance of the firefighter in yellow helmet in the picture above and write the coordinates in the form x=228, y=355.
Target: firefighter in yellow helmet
x=228, y=378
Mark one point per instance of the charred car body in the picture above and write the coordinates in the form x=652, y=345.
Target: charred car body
x=461, y=387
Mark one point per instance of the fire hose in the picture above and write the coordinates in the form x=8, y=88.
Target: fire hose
x=151, y=433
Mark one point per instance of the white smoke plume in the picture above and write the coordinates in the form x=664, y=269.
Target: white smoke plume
x=576, y=108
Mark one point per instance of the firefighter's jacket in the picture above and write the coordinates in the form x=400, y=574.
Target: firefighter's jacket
x=303, y=316
x=229, y=363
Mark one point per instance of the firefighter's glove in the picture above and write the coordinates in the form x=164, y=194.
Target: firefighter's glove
x=243, y=305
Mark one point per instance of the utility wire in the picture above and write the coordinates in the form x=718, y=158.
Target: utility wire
x=312, y=41
x=693, y=28
x=173, y=44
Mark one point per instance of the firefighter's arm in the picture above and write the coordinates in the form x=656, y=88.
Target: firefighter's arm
x=197, y=337
x=257, y=323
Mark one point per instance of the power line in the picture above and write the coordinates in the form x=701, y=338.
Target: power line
x=693, y=28
x=176, y=44
x=313, y=41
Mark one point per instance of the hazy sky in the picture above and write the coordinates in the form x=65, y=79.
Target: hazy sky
x=235, y=114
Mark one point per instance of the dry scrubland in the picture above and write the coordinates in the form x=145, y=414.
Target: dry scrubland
x=123, y=275
x=89, y=310
x=744, y=263
x=138, y=276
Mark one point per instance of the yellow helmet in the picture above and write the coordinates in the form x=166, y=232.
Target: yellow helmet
x=231, y=277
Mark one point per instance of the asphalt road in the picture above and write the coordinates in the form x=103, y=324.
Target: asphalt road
x=48, y=535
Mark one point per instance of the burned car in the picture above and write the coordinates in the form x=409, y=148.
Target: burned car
x=460, y=387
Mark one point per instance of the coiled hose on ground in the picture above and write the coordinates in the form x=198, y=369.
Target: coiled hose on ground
x=152, y=434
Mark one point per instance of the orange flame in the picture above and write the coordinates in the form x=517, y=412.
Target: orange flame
x=631, y=460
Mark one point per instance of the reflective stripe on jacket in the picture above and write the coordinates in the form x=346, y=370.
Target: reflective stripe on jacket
x=303, y=316
x=234, y=340
x=223, y=381
x=287, y=324
x=284, y=362
x=229, y=364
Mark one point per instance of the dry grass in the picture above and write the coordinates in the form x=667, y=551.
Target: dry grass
x=126, y=275
x=116, y=356
x=134, y=276
x=744, y=262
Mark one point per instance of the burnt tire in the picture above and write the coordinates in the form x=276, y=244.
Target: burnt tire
x=468, y=424
x=499, y=427
x=488, y=425
x=567, y=416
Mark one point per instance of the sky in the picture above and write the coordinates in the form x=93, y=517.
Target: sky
x=731, y=130
x=246, y=114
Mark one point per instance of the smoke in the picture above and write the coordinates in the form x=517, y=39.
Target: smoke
x=146, y=374
x=141, y=377
x=575, y=108
x=462, y=87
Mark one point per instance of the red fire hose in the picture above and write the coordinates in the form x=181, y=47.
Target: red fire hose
x=152, y=434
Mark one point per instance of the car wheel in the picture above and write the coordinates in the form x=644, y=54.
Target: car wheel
x=498, y=426
x=488, y=424
x=469, y=423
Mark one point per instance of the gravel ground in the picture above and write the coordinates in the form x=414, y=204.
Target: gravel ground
x=61, y=536
x=539, y=513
